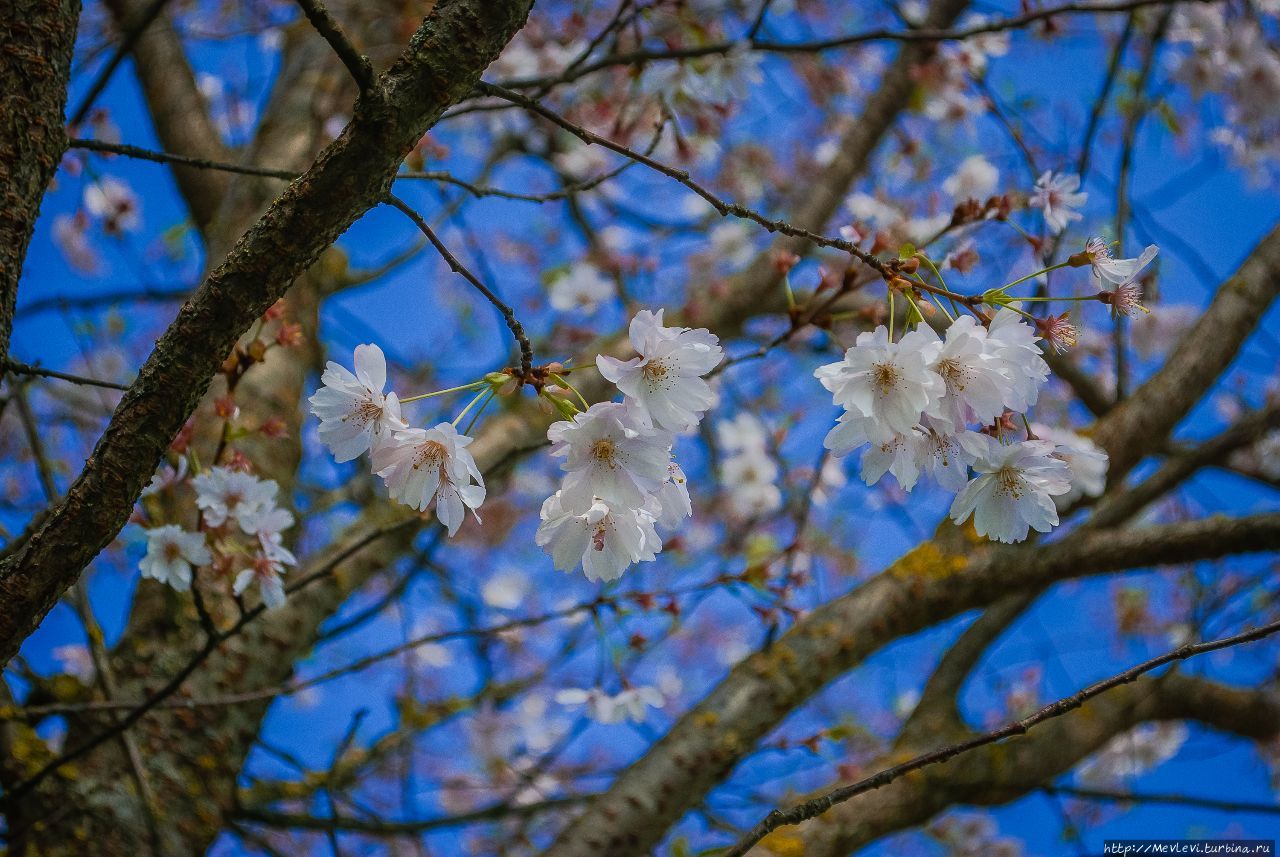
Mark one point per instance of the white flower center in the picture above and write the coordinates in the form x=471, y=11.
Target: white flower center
x=655, y=371
x=886, y=377
x=430, y=453
x=1010, y=481
x=605, y=451
x=365, y=412
x=955, y=374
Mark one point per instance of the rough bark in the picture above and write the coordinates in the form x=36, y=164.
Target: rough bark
x=36, y=40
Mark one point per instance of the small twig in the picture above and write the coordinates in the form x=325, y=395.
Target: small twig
x=131, y=36
x=393, y=828
x=813, y=808
x=723, y=207
x=181, y=160
x=508, y=315
x=478, y=191
x=1163, y=797
x=19, y=368
x=326, y=25
x=926, y=35
x=44, y=469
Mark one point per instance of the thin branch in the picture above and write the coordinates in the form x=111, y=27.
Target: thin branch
x=478, y=191
x=44, y=469
x=918, y=35
x=88, y=302
x=813, y=808
x=1164, y=797
x=131, y=36
x=723, y=207
x=508, y=314
x=181, y=160
x=19, y=368
x=326, y=25
x=390, y=828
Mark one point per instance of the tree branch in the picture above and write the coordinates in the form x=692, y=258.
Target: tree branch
x=813, y=808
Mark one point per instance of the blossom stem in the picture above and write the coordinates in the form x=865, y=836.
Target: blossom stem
x=791, y=296
x=891, y=291
x=1053, y=299
x=470, y=386
x=562, y=382
x=470, y=405
x=492, y=395
x=968, y=300
x=941, y=281
x=915, y=306
x=1030, y=276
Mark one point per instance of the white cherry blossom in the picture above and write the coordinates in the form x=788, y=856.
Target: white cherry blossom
x=1058, y=195
x=224, y=495
x=748, y=470
x=609, y=454
x=945, y=457
x=605, y=539
x=976, y=388
x=1117, y=271
x=421, y=465
x=1012, y=342
x=583, y=287
x=629, y=704
x=172, y=552
x=266, y=572
x=899, y=455
x=268, y=525
x=1085, y=459
x=975, y=178
x=665, y=382
x=354, y=414
x=1014, y=490
x=752, y=483
x=673, y=498
x=115, y=204
x=889, y=382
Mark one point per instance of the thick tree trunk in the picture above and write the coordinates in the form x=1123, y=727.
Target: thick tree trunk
x=36, y=40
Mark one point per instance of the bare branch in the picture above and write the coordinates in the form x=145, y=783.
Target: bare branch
x=817, y=806
x=328, y=27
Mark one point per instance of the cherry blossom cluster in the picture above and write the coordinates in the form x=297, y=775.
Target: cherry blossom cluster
x=417, y=465
x=941, y=406
x=241, y=530
x=621, y=481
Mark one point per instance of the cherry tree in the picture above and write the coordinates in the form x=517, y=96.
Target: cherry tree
x=652, y=426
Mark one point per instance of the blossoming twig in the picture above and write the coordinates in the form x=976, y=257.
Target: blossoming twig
x=508, y=315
